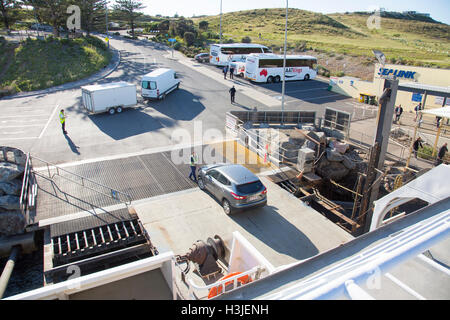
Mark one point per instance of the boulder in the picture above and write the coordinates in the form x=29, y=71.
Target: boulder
x=11, y=223
x=13, y=187
x=9, y=202
x=334, y=156
x=348, y=163
x=331, y=170
x=10, y=171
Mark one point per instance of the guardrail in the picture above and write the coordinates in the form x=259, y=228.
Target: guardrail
x=252, y=274
x=117, y=195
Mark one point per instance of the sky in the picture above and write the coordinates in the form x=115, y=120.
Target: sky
x=439, y=9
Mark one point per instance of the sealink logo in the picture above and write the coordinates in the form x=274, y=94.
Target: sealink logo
x=397, y=73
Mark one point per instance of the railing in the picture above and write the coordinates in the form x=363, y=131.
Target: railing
x=28, y=179
x=117, y=195
x=253, y=274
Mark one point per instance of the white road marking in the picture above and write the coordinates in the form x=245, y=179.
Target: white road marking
x=48, y=122
x=24, y=126
x=23, y=138
x=16, y=132
x=23, y=116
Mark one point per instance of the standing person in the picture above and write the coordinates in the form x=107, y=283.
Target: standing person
x=232, y=92
x=417, y=109
x=62, y=119
x=416, y=145
x=441, y=154
x=231, y=72
x=225, y=71
x=193, y=165
x=438, y=122
x=398, y=113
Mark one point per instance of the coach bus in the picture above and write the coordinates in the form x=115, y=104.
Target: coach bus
x=269, y=67
x=223, y=54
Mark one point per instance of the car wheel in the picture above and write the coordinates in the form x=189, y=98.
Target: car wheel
x=241, y=75
x=277, y=79
x=119, y=109
x=306, y=77
x=201, y=184
x=112, y=111
x=270, y=79
x=227, y=208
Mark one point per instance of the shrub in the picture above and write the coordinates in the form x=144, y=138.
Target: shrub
x=246, y=39
x=189, y=38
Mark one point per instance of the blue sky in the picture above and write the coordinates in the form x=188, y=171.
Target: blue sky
x=439, y=9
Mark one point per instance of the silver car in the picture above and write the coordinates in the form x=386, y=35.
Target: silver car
x=234, y=186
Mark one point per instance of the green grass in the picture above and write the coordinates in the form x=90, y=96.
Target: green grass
x=40, y=64
x=404, y=41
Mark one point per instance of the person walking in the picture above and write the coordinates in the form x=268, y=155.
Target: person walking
x=232, y=94
x=62, y=119
x=193, y=165
x=416, y=145
x=231, y=72
x=417, y=109
x=441, y=154
x=225, y=71
x=398, y=113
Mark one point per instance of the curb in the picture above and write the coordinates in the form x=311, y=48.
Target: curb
x=115, y=62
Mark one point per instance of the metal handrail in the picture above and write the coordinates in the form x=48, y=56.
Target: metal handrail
x=113, y=195
x=252, y=273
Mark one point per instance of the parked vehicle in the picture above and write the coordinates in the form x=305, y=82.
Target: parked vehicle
x=234, y=186
x=269, y=67
x=110, y=97
x=202, y=57
x=239, y=68
x=222, y=54
x=158, y=83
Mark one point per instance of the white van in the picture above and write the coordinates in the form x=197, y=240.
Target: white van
x=109, y=97
x=158, y=83
x=239, y=68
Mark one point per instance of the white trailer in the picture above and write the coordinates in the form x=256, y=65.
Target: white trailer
x=109, y=97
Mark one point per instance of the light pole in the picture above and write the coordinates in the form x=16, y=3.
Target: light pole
x=284, y=67
x=106, y=13
x=220, y=31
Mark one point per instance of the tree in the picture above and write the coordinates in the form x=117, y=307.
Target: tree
x=129, y=11
x=189, y=37
x=203, y=25
x=93, y=14
x=53, y=12
x=5, y=8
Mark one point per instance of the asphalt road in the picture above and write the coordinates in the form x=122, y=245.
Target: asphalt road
x=196, y=111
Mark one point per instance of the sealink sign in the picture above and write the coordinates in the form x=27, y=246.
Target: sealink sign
x=397, y=73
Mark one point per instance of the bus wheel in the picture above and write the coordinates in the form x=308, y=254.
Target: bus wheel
x=270, y=79
x=277, y=79
x=306, y=77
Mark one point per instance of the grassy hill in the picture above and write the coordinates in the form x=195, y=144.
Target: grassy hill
x=39, y=64
x=404, y=39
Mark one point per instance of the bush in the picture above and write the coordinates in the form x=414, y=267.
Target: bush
x=246, y=39
x=189, y=38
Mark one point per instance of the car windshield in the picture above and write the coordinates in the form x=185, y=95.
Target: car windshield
x=248, y=188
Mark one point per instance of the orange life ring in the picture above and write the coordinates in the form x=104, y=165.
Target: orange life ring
x=218, y=290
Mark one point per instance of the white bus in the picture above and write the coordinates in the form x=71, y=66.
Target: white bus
x=223, y=54
x=269, y=68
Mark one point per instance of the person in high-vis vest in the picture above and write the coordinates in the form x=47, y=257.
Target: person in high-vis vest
x=62, y=119
x=193, y=164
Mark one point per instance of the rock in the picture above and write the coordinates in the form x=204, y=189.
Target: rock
x=334, y=156
x=11, y=223
x=9, y=202
x=10, y=171
x=331, y=170
x=13, y=187
x=348, y=163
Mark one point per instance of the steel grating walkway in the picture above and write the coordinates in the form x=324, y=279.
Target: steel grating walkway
x=141, y=177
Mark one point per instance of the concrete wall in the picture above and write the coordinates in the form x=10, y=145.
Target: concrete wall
x=353, y=87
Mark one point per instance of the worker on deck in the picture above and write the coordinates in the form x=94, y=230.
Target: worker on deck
x=441, y=154
x=416, y=145
x=193, y=165
x=62, y=119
